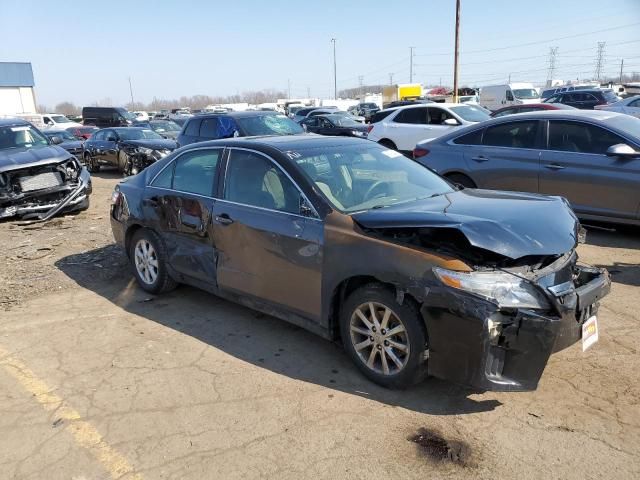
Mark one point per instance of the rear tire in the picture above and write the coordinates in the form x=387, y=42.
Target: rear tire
x=385, y=142
x=461, y=179
x=388, y=352
x=148, y=258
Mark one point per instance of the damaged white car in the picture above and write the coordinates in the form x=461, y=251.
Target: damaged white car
x=38, y=179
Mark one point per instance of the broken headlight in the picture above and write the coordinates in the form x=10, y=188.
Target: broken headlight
x=503, y=288
x=145, y=150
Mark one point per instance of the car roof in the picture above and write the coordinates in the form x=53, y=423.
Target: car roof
x=246, y=113
x=283, y=143
x=4, y=122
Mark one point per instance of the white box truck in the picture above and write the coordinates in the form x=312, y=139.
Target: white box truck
x=494, y=97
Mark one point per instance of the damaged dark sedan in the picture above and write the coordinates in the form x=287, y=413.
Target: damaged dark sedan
x=129, y=149
x=38, y=179
x=354, y=241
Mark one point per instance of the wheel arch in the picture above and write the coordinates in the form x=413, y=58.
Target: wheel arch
x=131, y=231
x=348, y=286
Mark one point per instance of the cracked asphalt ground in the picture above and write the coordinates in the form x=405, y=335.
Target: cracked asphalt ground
x=99, y=380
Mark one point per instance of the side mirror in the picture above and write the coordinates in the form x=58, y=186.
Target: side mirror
x=622, y=150
x=56, y=140
x=451, y=122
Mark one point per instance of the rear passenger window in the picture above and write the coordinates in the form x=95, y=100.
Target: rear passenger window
x=412, y=115
x=473, y=138
x=195, y=172
x=209, y=128
x=193, y=128
x=514, y=135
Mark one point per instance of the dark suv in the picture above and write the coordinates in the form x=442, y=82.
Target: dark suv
x=584, y=99
x=367, y=110
x=236, y=124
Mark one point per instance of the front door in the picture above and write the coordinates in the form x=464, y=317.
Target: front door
x=180, y=202
x=267, y=249
x=508, y=158
x=110, y=148
x=576, y=166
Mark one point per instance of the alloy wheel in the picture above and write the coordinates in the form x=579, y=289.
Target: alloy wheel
x=379, y=338
x=146, y=261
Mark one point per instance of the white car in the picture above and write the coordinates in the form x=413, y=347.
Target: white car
x=406, y=126
x=141, y=116
x=630, y=106
x=57, y=121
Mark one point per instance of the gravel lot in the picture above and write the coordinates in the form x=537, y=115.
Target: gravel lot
x=100, y=380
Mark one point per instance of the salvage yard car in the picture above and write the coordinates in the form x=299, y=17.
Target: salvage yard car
x=37, y=178
x=352, y=240
x=591, y=158
x=129, y=149
x=66, y=140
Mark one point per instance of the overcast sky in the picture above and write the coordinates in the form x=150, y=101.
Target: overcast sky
x=85, y=51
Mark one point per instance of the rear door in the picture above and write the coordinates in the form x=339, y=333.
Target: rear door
x=268, y=249
x=575, y=166
x=180, y=201
x=508, y=158
x=408, y=127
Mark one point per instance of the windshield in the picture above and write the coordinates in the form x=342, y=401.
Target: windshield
x=60, y=119
x=64, y=135
x=627, y=124
x=21, y=136
x=343, y=120
x=268, y=125
x=471, y=113
x=364, y=176
x=165, y=127
x=138, y=134
x=525, y=93
x=125, y=114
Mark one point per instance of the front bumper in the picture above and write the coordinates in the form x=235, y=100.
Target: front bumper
x=77, y=199
x=478, y=344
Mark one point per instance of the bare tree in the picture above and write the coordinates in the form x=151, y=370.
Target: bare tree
x=42, y=108
x=67, y=108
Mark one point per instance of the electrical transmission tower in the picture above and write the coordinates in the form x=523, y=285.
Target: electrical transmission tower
x=553, y=52
x=361, y=82
x=599, y=60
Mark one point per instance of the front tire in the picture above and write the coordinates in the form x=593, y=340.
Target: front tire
x=148, y=258
x=91, y=164
x=384, y=338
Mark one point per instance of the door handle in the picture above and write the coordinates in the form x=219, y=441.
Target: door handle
x=554, y=166
x=480, y=158
x=224, y=219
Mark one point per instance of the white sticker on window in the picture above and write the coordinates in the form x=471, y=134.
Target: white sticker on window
x=19, y=129
x=392, y=154
x=292, y=155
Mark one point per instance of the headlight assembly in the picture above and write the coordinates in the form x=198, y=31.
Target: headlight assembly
x=503, y=288
x=145, y=150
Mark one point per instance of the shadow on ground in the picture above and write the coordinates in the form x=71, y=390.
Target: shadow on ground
x=259, y=339
x=623, y=238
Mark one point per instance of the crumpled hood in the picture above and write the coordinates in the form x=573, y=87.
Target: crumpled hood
x=13, y=159
x=155, y=144
x=508, y=223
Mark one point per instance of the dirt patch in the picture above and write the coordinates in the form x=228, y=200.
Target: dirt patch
x=437, y=448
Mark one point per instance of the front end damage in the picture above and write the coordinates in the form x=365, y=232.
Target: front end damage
x=523, y=297
x=39, y=191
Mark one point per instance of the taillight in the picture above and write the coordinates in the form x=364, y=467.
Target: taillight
x=369, y=127
x=420, y=152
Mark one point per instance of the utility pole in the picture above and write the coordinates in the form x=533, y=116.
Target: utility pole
x=391, y=79
x=553, y=52
x=411, y=64
x=288, y=89
x=360, y=82
x=621, y=67
x=456, y=54
x=599, y=60
x=131, y=92
x=308, y=92
x=335, y=74
x=509, y=81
